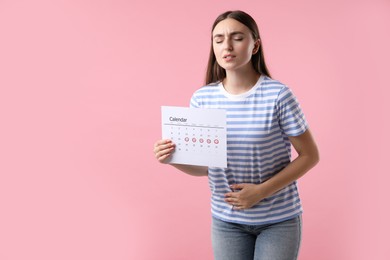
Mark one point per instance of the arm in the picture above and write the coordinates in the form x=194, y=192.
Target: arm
x=163, y=150
x=251, y=194
x=308, y=157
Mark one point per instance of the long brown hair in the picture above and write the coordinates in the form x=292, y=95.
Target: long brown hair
x=216, y=73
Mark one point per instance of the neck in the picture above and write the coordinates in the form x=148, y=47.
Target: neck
x=237, y=82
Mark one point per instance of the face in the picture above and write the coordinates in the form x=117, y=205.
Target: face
x=233, y=44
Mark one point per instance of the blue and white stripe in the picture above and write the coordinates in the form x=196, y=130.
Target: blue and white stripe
x=258, y=125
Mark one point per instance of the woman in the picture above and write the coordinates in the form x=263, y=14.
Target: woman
x=255, y=203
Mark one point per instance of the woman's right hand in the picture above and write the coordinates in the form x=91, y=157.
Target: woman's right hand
x=163, y=149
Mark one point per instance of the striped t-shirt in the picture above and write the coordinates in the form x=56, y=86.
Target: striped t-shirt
x=258, y=125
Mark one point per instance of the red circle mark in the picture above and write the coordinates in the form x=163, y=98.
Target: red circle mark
x=216, y=141
x=194, y=139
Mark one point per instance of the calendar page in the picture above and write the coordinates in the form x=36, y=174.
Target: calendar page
x=199, y=135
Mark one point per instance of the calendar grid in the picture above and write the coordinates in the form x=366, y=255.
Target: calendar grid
x=199, y=135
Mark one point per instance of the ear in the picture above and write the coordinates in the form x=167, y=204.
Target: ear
x=256, y=47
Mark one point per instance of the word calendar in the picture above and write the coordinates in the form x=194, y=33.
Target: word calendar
x=199, y=135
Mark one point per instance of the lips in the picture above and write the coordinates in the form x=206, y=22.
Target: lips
x=228, y=57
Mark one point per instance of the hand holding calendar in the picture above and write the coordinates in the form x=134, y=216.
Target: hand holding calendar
x=199, y=135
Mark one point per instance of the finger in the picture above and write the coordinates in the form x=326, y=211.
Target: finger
x=162, y=158
x=163, y=146
x=231, y=195
x=232, y=201
x=165, y=150
x=164, y=153
x=162, y=142
x=237, y=206
x=239, y=186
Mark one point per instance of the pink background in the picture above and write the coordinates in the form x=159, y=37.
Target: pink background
x=81, y=85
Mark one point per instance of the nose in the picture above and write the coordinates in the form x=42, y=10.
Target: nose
x=227, y=45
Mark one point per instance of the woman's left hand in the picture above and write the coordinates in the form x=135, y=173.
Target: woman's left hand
x=247, y=196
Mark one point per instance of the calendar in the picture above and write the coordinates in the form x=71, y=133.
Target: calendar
x=199, y=135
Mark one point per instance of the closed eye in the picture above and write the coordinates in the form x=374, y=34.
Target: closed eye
x=218, y=40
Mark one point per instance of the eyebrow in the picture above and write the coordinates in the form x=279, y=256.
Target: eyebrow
x=231, y=34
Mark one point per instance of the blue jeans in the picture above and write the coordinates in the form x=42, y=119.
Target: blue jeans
x=278, y=241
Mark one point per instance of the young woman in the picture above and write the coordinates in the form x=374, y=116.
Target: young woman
x=255, y=203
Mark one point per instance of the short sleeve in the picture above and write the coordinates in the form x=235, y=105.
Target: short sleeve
x=194, y=102
x=291, y=118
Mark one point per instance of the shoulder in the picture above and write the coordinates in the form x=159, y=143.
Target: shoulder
x=272, y=88
x=207, y=90
x=204, y=94
x=281, y=93
x=273, y=84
